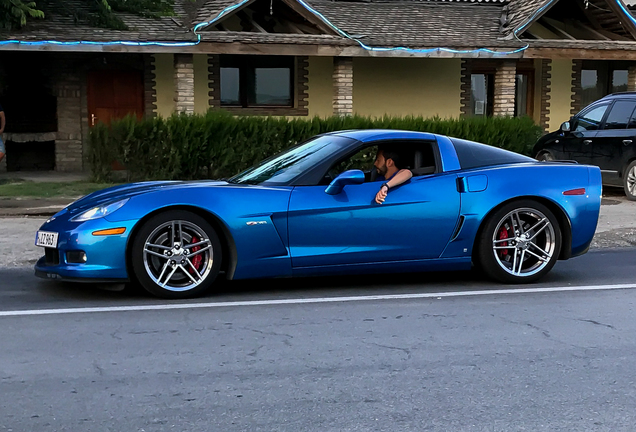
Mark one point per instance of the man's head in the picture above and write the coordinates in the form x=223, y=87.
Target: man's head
x=387, y=162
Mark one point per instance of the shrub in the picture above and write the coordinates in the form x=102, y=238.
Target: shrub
x=217, y=144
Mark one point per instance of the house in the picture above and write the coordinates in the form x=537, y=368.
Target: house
x=447, y=58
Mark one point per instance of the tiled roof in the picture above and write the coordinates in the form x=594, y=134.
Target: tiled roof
x=278, y=38
x=408, y=23
x=60, y=24
x=210, y=9
x=523, y=11
x=376, y=23
x=586, y=44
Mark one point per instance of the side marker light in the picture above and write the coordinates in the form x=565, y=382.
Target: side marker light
x=579, y=191
x=111, y=231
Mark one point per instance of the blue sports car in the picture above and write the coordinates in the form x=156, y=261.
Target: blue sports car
x=311, y=210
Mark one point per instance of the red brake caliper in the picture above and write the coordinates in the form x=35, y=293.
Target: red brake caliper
x=198, y=259
x=503, y=234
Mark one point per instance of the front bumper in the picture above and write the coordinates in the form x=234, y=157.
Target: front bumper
x=45, y=274
x=105, y=255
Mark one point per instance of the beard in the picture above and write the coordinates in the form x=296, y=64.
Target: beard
x=381, y=170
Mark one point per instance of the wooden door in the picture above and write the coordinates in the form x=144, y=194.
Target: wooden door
x=114, y=94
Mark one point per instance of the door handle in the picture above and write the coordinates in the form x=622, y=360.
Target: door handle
x=586, y=142
x=93, y=119
x=627, y=142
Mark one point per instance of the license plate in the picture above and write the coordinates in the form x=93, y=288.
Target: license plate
x=46, y=239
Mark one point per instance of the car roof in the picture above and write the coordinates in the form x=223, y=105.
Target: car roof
x=619, y=95
x=365, y=135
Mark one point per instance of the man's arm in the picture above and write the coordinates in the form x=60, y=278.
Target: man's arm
x=2, y=121
x=400, y=177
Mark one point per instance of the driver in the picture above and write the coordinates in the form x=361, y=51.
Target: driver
x=389, y=164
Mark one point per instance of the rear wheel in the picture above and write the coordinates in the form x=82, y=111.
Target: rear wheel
x=176, y=254
x=520, y=242
x=629, y=181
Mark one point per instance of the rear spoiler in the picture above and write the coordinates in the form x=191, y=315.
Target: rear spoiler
x=562, y=161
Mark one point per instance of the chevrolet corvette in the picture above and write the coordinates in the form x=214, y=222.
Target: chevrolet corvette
x=311, y=211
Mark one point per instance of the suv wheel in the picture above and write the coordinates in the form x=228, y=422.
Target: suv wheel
x=545, y=156
x=629, y=181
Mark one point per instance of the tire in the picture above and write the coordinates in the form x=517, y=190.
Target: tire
x=545, y=156
x=533, y=247
x=629, y=181
x=164, y=261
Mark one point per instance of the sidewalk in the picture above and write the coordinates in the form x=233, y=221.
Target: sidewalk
x=44, y=207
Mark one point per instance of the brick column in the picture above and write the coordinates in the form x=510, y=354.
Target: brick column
x=342, y=86
x=184, y=83
x=631, y=78
x=214, y=83
x=465, y=89
x=68, y=145
x=546, y=78
x=577, y=89
x=150, y=90
x=505, y=79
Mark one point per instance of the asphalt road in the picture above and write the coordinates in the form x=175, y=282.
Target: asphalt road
x=455, y=353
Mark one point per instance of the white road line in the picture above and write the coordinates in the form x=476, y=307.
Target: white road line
x=311, y=300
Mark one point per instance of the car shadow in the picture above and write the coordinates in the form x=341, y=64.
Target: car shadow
x=26, y=285
x=35, y=290
x=364, y=284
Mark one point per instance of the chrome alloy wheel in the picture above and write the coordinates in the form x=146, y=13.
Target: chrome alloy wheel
x=524, y=242
x=631, y=181
x=178, y=256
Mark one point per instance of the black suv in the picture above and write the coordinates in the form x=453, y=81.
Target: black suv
x=602, y=134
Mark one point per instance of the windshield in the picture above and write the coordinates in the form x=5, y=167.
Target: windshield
x=286, y=166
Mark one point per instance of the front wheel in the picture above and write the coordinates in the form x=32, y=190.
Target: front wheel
x=176, y=254
x=520, y=242
x=629, y=181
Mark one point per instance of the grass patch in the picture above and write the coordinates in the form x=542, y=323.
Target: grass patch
x=21, y=188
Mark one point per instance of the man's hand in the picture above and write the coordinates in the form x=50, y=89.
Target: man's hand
x=382, y=193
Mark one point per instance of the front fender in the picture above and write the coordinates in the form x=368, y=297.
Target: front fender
x=255, y=217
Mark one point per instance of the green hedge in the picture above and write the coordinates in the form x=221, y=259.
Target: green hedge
x=218, y=145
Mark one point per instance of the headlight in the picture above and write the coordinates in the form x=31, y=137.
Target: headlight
x=99, y=211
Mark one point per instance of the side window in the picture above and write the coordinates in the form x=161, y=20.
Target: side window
x=632, y=121
x=362, y=160
x=590, y=119
x=619, y=115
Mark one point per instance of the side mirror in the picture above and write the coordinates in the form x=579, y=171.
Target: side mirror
x=565, y=126
x=346, y=178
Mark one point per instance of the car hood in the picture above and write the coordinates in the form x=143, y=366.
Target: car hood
x=117, y=193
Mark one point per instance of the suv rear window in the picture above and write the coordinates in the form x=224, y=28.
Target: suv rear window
x=619, y=115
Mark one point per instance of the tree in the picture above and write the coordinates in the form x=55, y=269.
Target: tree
x=15, y=13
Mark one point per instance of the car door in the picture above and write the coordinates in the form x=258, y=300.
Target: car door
x=614, y=141
x=415, y=222
x=577, y=144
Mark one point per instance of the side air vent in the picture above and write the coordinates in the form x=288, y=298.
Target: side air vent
x=459, y=227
